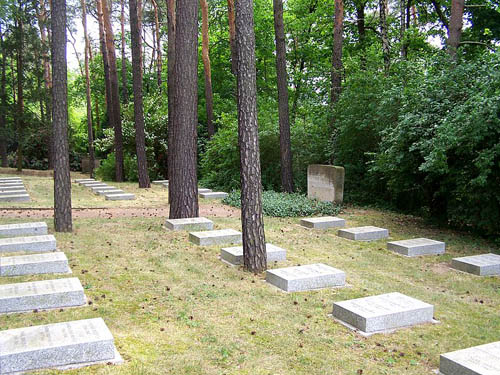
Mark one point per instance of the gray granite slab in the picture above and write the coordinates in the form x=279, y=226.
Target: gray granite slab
x=12, y=188
x=23, y=229
x=34, y=264
x=308, y=277
x=46, y=294
x=94, y=184
x=204, y=190
x=383, y=313
x=234, y=255
x=31, y=243
x=367, y=233
x=215, y=237
x=78, y=180
x=214, y=195
x=481, y=265
x=119, y=196
x=160, y=182
x=324, y=222
x=114, y=191
x=417, y=246
x=15, y=198
x=54, y=345
x=478, y=360
x=192, y=223
x=20, y=191
x=101, y=188
x=10, y=178
x=12, y=183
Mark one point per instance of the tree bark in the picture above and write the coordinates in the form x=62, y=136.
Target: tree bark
x=383, y=34
x=254, y=241
x=402, y=28
x=62, y=182
x=360, y=23
x=455, y=28
x=232, y=34
x=158, y=44
x=184, y=180
x=209, y=97
x=337, y=66
x=140, y=138
x=124, y=57
x=3, y=103
x=170, y=92
x=20, y=92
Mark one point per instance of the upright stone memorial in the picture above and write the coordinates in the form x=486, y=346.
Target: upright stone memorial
x=323, y=222
x=478, y=360
x=417, y=246
x=23, y=229
x=308, y=277
x=481, y=265
x=193, y=223
x=367, y=233
x=325, y=183
x=382, y=313
x=34, y=264
x=31, y=244
x=234, y=255
x=214, y=195
x=215, y=237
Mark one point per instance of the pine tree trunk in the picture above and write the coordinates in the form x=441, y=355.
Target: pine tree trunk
x=170, y=92
x=360, y=23
x=124, y=57
x=62, y=182
x=158, y=44
x=383, y=35
x=338, y=37
x=184, y=181
x=232, y=34
x=209, y=97
x=402, y=28
x=254, y=242
x=455, y=28
x=20, y=92
x=3, y=104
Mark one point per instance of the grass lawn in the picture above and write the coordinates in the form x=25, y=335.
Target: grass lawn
x=175, y=308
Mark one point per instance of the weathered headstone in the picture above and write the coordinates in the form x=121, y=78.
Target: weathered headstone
x=34, y=264
x=31, y=244
x=417, y=246
x=19, y=191
x=325, y=183
x=300, y=278
x=193, y=223
x=215, y=237
x=383, y=313
x=46, y=294
x=119, y=196
x=23, y=229
x=324, y=222
x=478, y=360
x=160, y=182
x=481, y=265
x=204, y=190
x=234, y=255
x=367, y=233
x=114, y=191
x=53, y=345
x=15, y=198
x=214, y=195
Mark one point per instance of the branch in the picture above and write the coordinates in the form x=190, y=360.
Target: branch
x=479, y=44
x=440, y=14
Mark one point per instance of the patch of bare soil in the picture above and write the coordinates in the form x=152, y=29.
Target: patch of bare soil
x=440, y=268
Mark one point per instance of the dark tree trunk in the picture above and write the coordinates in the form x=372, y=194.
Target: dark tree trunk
x=62, y=182
x=20, y=93
x=158, y=44
x=254, y=241
x=360, y=23
x=3, y=104
x=402, y=28
x=184, y=180
x=170, y=92
x=232, y=34
x=383, y=34
x=140, y=138
x=105, y=60
x=338, y=37
x=284, y=116
x=455, y=28
x=124, y=57
x=209, y=97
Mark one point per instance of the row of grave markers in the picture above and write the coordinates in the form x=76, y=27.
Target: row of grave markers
x=70, y=344
x=111, y=193
x=12, y=189
x=202, y=192
x=369, y=315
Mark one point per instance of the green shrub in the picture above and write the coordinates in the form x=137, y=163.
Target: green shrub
x=106, y=170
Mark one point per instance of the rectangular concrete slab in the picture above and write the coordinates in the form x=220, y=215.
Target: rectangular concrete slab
x=95, y=189
x=214, y=195
x=119, y=196
x=104, y=192
x=478, y=360
x=10, y=178
x=15, y=198
x=20, y=191
x=12, y=188
x=192, y=223
x=54, y=345
x=31, y=243
x=34, y=264
x=23, y=229
x=417, y=246
x=94, y=184
x=308, y=277
x=203, y=190
x=383, y=313
x=367, y=233
x=234, y=255
x=160, y=182
x=215, y=237
x=481, y=265
x=324, y=222
x=46, y=294
x=78, y=180
x=11, y=183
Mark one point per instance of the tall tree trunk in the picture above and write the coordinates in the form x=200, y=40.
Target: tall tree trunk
x=158, y=44
x=3, y=104
x=383, y=34
x=254, y=241
x=402, y=28
x=455, y=28
x=170, y=93
x=62, y=182
x=209, y=97
x=105, y=60
x=20, y=92
x=360, y=23
x=124, y=57
x=338, y=37
x=140, y=138
x=232, y=34
x=184, y=179
x=283, y=109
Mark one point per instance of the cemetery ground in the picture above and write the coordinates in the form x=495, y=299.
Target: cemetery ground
x=175, y=308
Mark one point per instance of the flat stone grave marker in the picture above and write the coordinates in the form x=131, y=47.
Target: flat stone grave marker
x=234, y=255
x=105, y=192
x=11, y=183
x=46, y=294
x=367, y=233
x=31, y=243
x=94, y=184
x=382, y=313
x=481, y=265
x=13, y=192
x=78, y=180
x=215, y=237
x=160, y=182
x=76, y=343
x=193, y=223
x=12, y=188
x=417, y=246
x=23, y=229
x=308, y=277
x=324, y=222
x=119, y=196
x=15, y=198
x=214, y=195
x=102, y=188
x=34, y=264
x=9, y=178
x=478, y=360
x=204, y=190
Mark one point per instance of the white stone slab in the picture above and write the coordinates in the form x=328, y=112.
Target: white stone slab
x=12, y=183
x=12, y=188
x=324, y=222
x=54, y=345
x=20, y=191
x=234, y=255
x=160, y=182
x=30, y=243
x=308, y=277
x=203, y=190
x=383, y=313
x=94, y=184
x=119, y=196
x=481, y=265
x=367, y=233
x=10, y=178
x=478, y=360
x=214, y=195
x=78, y=180
x=193, y=223
x=417, y=246
x=23, y=229
x=15, y=198
x=34, y=264
x=215, y=237
x=46, y=294
x=104, y=192
x=103, y=188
